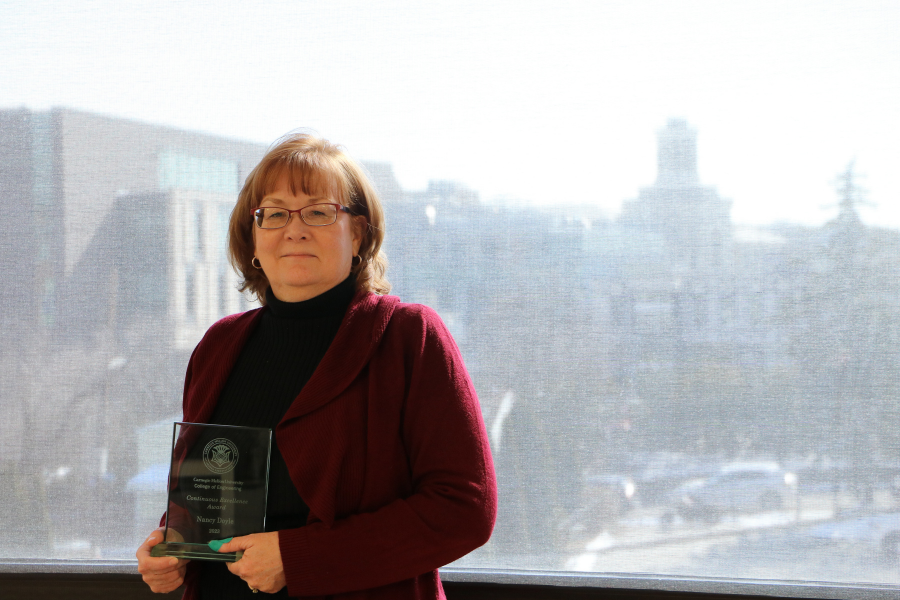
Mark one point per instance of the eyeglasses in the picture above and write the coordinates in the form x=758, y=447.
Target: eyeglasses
x=316, y=215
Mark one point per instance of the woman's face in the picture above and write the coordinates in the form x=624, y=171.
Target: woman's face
x=301, y=261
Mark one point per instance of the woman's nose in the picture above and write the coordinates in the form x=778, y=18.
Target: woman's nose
x=296, y=227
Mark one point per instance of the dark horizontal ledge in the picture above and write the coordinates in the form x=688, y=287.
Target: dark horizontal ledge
x=102, y=579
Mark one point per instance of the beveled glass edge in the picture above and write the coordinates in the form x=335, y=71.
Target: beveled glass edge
x=268, y=472
x=220, y=425
x=175, y=426
x=790, y=589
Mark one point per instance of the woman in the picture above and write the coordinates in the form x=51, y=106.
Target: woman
x=381, y=471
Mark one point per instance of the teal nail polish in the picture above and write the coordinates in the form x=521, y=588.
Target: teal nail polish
x=216, y=544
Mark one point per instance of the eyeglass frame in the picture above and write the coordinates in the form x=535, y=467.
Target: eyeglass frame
x=341, y=208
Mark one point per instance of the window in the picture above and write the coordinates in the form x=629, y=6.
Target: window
x=664, y=236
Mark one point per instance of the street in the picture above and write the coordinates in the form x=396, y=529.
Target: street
x=812, y=544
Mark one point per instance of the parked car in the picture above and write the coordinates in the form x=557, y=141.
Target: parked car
x=882, y=531
x=656, y=475
x=736, y=488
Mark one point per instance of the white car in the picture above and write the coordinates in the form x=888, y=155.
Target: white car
x=737, y=487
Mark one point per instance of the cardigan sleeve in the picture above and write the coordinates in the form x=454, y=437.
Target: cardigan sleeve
x=453, y=503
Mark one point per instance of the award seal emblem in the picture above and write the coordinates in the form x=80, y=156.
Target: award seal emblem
x=220, y=455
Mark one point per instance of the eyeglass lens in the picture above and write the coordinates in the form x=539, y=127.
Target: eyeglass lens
x=273, y=217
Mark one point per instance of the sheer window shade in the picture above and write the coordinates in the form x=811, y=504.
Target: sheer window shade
x=664, y=237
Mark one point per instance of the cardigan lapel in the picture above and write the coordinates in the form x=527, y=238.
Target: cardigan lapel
x=356, y=340
x=316, y=473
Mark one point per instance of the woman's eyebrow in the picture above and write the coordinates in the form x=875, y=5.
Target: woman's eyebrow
x=275, y=200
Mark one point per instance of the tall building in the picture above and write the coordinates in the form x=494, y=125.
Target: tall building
x=683, y=229
x=691, y=219
x=90, y=185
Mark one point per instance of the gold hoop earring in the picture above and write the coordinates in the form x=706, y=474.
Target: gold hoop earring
x=256, y=264
x=355, y=261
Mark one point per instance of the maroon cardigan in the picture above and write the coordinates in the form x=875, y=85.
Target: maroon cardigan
x=385, y=443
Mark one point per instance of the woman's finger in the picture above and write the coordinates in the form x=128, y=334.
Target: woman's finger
x=167, y=579
x=242, y=542
x=162, y=573
x=261, y=566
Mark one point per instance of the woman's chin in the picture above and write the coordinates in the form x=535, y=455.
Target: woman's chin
x=299, y=289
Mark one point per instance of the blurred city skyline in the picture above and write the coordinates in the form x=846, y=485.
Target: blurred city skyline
x=598, y=348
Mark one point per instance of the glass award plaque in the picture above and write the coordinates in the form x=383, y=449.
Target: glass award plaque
x=218, y=484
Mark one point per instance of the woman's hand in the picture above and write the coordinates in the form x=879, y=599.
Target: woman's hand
x=162, y=573
x=261, y=565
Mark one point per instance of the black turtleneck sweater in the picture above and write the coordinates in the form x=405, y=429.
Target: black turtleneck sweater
x=276, y=362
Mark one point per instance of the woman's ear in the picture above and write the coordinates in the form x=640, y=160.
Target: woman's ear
x=360, y=223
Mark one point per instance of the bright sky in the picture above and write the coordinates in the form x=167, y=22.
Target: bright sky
x=541, y=102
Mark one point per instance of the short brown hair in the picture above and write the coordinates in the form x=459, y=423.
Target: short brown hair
x=315, y=166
